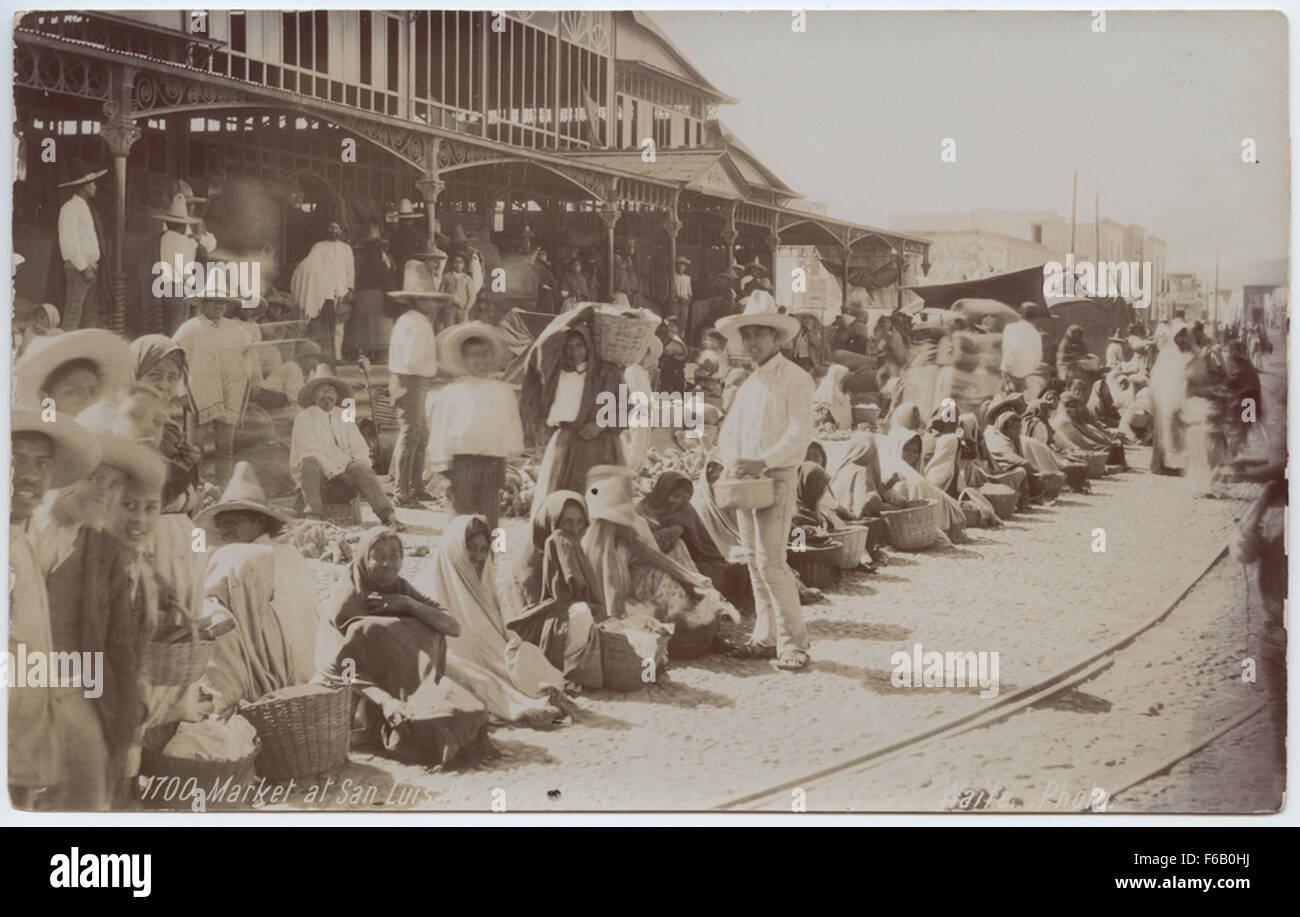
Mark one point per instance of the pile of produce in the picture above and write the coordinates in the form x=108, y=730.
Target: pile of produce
x=689, y=462
x=318, y=539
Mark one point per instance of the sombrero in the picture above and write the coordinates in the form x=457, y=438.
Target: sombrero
x=83, y=174
x=123, y=453
x=452, y=339
x=1011, y=401
x=760, y=309
x=244, y=492
x=321, y=376
x=610, y=495
x=406, y=210
x=76, y=450
x=176, y=212
x=110, y=354
x=681, y=259
x=183, y=188
x=419, y=282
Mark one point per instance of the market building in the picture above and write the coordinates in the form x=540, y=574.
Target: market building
x=575, y=128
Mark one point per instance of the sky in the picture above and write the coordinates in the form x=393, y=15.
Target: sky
x=1152, y=112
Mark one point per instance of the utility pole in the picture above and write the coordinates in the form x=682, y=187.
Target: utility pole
x=1074, y=206
x=1215, y=317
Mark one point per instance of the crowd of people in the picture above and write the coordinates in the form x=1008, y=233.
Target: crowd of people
x=123, y=450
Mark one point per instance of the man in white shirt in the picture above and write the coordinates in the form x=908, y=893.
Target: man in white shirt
x=321, y=284
x=325, y=449
x=682, y=292
x=176, y=248
x=767, y=432
x=412, y=363
x=1022, y=349
x=79, y=245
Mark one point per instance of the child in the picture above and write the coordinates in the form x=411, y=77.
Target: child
x=713, y=359
x=475, y=424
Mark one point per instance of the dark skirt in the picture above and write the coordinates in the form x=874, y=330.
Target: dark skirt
x=476, y=485
x=369, y=328
x=321, y=330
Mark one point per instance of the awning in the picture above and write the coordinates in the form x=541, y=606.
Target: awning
x=1012, y=288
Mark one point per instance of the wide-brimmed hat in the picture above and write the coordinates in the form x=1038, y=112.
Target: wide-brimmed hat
x=681, y=259
x=125, y=454
x=760, y=309
x=1009, y=401
x=452, y=339
x=419, y=281
x=610, y=495
x=182, y=187
x=244, y=492
x=76, y=449
x=177, y=212
x=322, y=376
x=406, y=210
x=110, y=354
x=79, y=173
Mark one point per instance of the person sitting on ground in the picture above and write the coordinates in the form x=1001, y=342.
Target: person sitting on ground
x=831, y=395
x=953, y=469
x=809, y=516
x=672, y=518
x=900, y=456
x=513, y=679
x=266, y=588
x=329, y=453
x=555, y=596
x=1036, y=428
x=1073, y=358
x=1072, y=422
x=1005, y=447
x=382, y=636
x=75, y=369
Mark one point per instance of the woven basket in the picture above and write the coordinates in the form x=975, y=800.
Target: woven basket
x=817, y=567
x=621, y=665
x=1003, y=504
x=175, y=663
x=866, y=413
x=1053, y=484
x=692, y=642
x=1096, y=462
x=621, y=336
x=744, y=493
x=304, y=730
x=853, y=544
x=913, y=528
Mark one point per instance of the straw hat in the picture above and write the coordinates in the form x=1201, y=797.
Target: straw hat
x=182, y=187
x=110, y=354
x=610, y=494
x=419, y=282
x=76, y=450
x=452, y=339
x=406, y=210
x=176, y=212
x=682, y=259
x=321, y=376
x=1010, y=401
x=80, y=174
x=760, y=310
x=123, y=453
x=244, y=492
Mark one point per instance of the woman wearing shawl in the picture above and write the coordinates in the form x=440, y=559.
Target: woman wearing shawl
x=556, y=596
x=720, y=526
x=672, y=518
x=636, y=577
x=160, y=364
x=1168, y=391
x=954, y=469
x=381, y=635
x=830, y=395
x=563, y=381
x=1071, y=352
x=513, y=679
x=1071, y=421
x=900, y=458
x=1006, y=447
x=1047, y=450
x=809, y=516
x=857, y=483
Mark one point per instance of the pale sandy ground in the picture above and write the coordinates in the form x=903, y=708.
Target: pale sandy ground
x=1034, y=591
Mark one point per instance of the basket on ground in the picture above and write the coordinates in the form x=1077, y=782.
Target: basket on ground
x=175, y=663
x=818, y=566
x=1053, y=484
x=623, y=654
x=1096, y=464
x=913, y=528
x=865, y=413
x=621, y=335
x=744, y=493
x=304, y=730
x=692, y=642
x=1003, y=498
x=853, y=544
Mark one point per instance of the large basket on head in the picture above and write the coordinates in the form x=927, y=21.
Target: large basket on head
x=913, y=528
x=1003, y=498
x=621, y=335
x=853, y=544
x=744, y=493
x=176, y=663
x=304, y=730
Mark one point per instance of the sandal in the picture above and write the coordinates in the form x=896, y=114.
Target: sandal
x=793, y=660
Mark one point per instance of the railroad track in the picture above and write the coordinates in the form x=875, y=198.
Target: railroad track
x=1003, y=708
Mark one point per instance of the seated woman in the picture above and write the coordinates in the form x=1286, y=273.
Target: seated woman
x=901, y=458
x=667, y=508
x=857, y=485
x=831, y=395
x=816, y=524
x=720, y=525
x=556, y=595
x=987, y=471
x=513, y=679
x=266, y=588
x=1007, y=451
x=954, y=468
x=1037, y=431
x=387, y=639
x=1074, y=422
x=637, y=577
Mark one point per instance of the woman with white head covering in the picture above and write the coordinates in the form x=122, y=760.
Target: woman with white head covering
x=830, y=394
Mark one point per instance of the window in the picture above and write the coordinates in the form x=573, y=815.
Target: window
x=394, y=51
x=366, y=47
x=238, y=32
x=663, y=122
x=306, y=40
